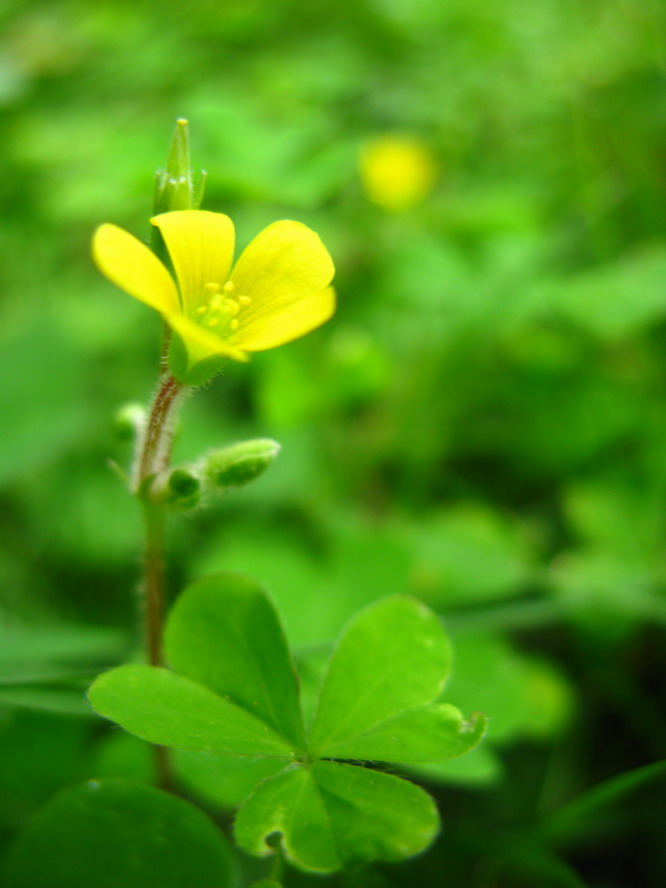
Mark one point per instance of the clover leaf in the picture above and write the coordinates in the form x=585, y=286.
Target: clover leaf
x=234, y=689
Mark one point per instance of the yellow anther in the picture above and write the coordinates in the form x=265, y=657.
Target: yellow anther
x=216, y=302
x=213, y=322
x=234, y=324
x=229, y=287
x=244, y=300
x=231, y=306
x=212, y=288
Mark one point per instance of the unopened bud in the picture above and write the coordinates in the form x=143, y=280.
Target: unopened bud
x=179, y=488
x=176, y=187
x=240, y=463
x=129, y=421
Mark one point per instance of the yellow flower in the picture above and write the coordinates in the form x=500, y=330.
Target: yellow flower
x=397, y=171
x=277, y=291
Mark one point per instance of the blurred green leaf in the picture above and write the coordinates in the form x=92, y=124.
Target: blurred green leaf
x=120, y=754
x=222, y=780
x=618, y=298
x=43, y=370
x=594, y=583
x=519, y=694
x=480, y=767
x=572, y=820
x=285, y=565
x=39, y=752
x=55, y=643
x=48, y=666
x=114, y=832
x=467, y=554
x=48, y=698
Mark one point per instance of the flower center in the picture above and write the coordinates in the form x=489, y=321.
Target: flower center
x=221, y=308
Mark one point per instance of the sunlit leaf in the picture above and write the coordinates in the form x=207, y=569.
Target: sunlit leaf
x=333, y=815
x=224, y=633
x=424, y=734
x=394, y=655
x=165, y=708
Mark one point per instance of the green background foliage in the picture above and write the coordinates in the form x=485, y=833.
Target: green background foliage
x=481, y=426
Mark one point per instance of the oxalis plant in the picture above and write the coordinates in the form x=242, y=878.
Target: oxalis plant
x=220, y=678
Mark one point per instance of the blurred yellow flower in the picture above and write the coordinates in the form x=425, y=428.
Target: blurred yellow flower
x=277, y=290
x=397, y=171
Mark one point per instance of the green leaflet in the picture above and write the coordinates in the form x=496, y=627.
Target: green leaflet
x=237, y=649
x=165, y=708
x=332, y=815
x=424, y=734
x=392, y=656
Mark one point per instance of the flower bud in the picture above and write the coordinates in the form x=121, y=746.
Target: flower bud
x=129, y=421
x=176, y=187
x=240, y=463
x=179, y=488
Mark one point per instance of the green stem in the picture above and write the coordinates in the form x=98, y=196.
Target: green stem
x=154, y=575
x=153, y=456
x=154, y=451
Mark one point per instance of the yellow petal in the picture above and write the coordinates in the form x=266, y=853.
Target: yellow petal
x=134, y=268
x=294, y=319
x=201, y=343
x=283, y=275
x=201, y=247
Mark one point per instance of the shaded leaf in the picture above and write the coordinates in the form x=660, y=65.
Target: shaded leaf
x=222, y=780
x=59, y=643
x=115, y=832
x=62, y=699
x=572, y=820
x=479, y=768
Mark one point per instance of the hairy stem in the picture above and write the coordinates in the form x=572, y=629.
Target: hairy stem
x=154, y=452
x=154, y=575
x=153, y=456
